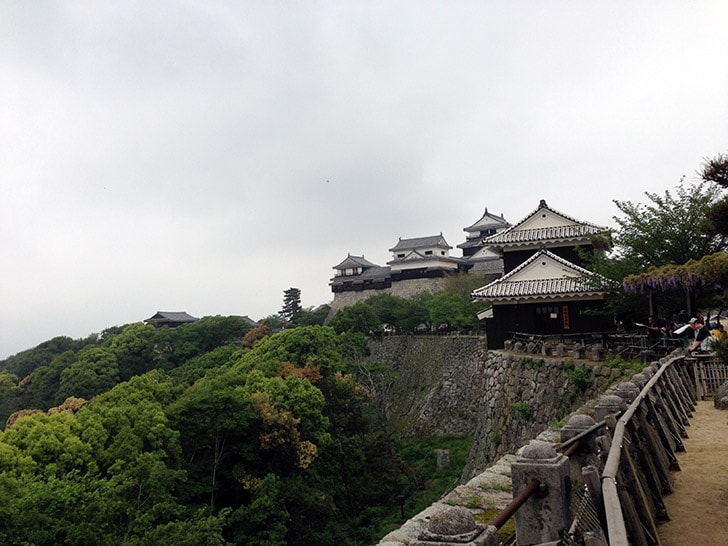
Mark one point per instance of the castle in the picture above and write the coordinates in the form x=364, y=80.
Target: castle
x=542, y=287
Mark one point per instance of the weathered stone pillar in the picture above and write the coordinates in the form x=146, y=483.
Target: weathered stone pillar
x=548, y=511
x=598, y=354
x=627, y=391
x=457, y=527
x=587, y=445
x=608, y=403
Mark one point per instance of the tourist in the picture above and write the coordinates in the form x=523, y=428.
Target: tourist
x=701, y=335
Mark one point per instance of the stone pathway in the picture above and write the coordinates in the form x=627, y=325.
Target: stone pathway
x=698, y=505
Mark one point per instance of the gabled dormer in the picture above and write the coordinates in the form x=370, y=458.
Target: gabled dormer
x=353, y=265
x=488, y=224
x=544, y=227
x=543, y=277
x=356, y=273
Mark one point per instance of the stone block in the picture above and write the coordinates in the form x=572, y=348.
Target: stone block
x=547, y=511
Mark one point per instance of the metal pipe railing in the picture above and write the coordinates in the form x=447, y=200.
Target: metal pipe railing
x=516, y=503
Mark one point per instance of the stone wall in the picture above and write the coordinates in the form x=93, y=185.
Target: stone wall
x=403, y=289
x=448, y=385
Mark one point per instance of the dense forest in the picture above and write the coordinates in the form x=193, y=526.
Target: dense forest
x=209, y=433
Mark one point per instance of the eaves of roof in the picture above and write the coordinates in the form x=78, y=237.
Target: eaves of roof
x=420, y=242
x=556, y=234
x=351, y=262
x=509, y=288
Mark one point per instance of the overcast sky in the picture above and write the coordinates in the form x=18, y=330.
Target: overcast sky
x=204, y=156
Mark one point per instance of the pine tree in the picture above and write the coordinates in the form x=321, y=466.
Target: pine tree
x=291, y=305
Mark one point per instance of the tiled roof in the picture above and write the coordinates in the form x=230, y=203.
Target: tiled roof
x=420, y=242
x=376, y=273
x=352, y=262
x=470, y=243
x=574, y=229
x=415, y=256
x=488, y=221
x=571, y=282
x=172, y=316
x=536, y=235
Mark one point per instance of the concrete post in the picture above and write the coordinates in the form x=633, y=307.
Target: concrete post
x=576, y=425
x=548, y=511
x=627, y=391
x=608, y=403
x=456, y=527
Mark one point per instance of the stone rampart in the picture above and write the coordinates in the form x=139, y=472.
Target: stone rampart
x=402, y=289
x=448, y=385
x=510, y=399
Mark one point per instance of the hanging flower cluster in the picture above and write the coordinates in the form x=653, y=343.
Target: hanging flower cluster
x=710, y=270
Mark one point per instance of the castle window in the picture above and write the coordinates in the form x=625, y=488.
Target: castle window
x=428, y=252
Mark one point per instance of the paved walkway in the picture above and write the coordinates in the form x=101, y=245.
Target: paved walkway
x=698, y=505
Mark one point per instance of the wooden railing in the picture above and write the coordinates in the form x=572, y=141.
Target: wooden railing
x=642, y=452
x=622, y=462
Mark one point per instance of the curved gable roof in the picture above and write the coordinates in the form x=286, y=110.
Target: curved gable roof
x=352, y=262
x=543, y=275
x=544, y=225
x=420, y=242
x=488, y=221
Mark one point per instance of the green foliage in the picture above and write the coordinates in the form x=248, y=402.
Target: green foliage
x=94, y=370
x=535, y=363
x=625, y=367
x=208, y=441
x=425, y=483
x=581, y=378
x=313, y=317
x=523, y=409
x=305, y=347
x=359, y=318
x=174, y=346
x=291, y=305
x=672, y=228
x=26, y=362
x=495, y=438
x=720, y=346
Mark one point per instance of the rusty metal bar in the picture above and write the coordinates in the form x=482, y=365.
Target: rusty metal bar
x=516, y=503
x=594, y=427
x=572, y=448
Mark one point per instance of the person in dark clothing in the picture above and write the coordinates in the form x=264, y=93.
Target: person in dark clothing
x=653, y=330
x=700, y=334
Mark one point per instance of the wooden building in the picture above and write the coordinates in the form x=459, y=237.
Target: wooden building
x=423, y=257
x=170, y=318
x=481, y=258
x=545, y=290
x=356, y=273
x=544, y=227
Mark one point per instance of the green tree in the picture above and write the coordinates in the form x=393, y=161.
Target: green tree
x=94, y=370
x=291, y=305
x=672, y=229
x=304, y=347
x=715, y=171
x=358, y=318
x=132, y=347
x=313, y=317
x=25, y=362
x=9, y=390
